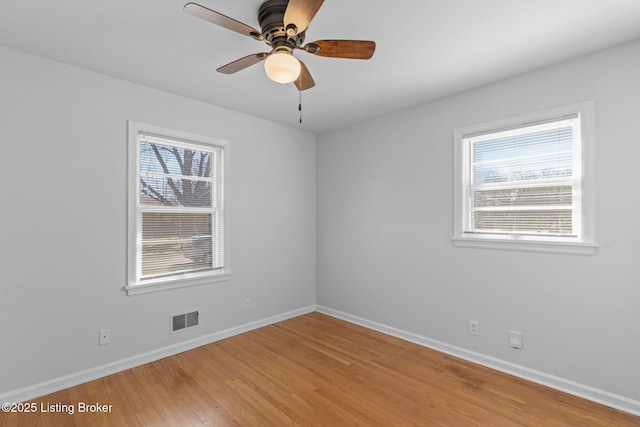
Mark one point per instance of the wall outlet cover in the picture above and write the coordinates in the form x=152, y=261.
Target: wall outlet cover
x=516, y=339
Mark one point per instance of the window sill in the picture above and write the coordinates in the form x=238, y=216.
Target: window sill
x=176, y=283
x=528, y=245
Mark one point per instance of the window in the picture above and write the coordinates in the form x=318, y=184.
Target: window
x=524, y=183
x=177, y=226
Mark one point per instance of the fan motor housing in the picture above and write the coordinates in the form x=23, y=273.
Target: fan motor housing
x=271, y=19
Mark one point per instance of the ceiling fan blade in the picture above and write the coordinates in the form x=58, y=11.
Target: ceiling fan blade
x=242, y=63
x=214, y=17
x=299, y=13
x=351, y=49
x=304, y=81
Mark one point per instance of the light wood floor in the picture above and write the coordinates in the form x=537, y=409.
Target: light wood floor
x=315, y=370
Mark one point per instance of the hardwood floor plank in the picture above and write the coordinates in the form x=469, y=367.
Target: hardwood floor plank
x=315, y=370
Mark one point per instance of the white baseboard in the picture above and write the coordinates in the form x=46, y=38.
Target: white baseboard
x=590, y=393
x=603, y=397
x=61, y=383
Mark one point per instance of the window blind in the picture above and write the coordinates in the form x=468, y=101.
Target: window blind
x=524, y=180
x=180, y=212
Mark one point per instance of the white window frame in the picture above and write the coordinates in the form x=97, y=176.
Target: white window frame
x=584, y=243
x=134, y=284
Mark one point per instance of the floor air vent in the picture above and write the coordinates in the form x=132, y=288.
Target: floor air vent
x=184, y=321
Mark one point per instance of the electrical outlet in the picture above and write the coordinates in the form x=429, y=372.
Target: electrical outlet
x=516, y=339
x=474, y=327
x=104, y=337
x=247, y=304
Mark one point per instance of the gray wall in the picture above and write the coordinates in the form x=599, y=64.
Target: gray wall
x=63, y=168
x=385, y=219
x=382, y=197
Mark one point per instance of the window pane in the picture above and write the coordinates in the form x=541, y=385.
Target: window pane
x=529, y=156
x=168, y=159
x=174, y=176
x=174, y=243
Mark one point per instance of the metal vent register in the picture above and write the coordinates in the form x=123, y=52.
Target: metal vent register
x=184, y=321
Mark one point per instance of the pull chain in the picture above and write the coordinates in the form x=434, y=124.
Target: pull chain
x=300, y=104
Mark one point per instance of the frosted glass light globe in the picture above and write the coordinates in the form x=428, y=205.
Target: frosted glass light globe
x=282, y=67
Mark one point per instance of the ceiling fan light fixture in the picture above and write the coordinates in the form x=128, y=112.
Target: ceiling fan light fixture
x=282, y=67
x=283, y=24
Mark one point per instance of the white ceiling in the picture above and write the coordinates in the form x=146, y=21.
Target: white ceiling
x=426, y=49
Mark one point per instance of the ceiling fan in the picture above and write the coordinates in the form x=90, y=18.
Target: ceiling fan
x=283, y=24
